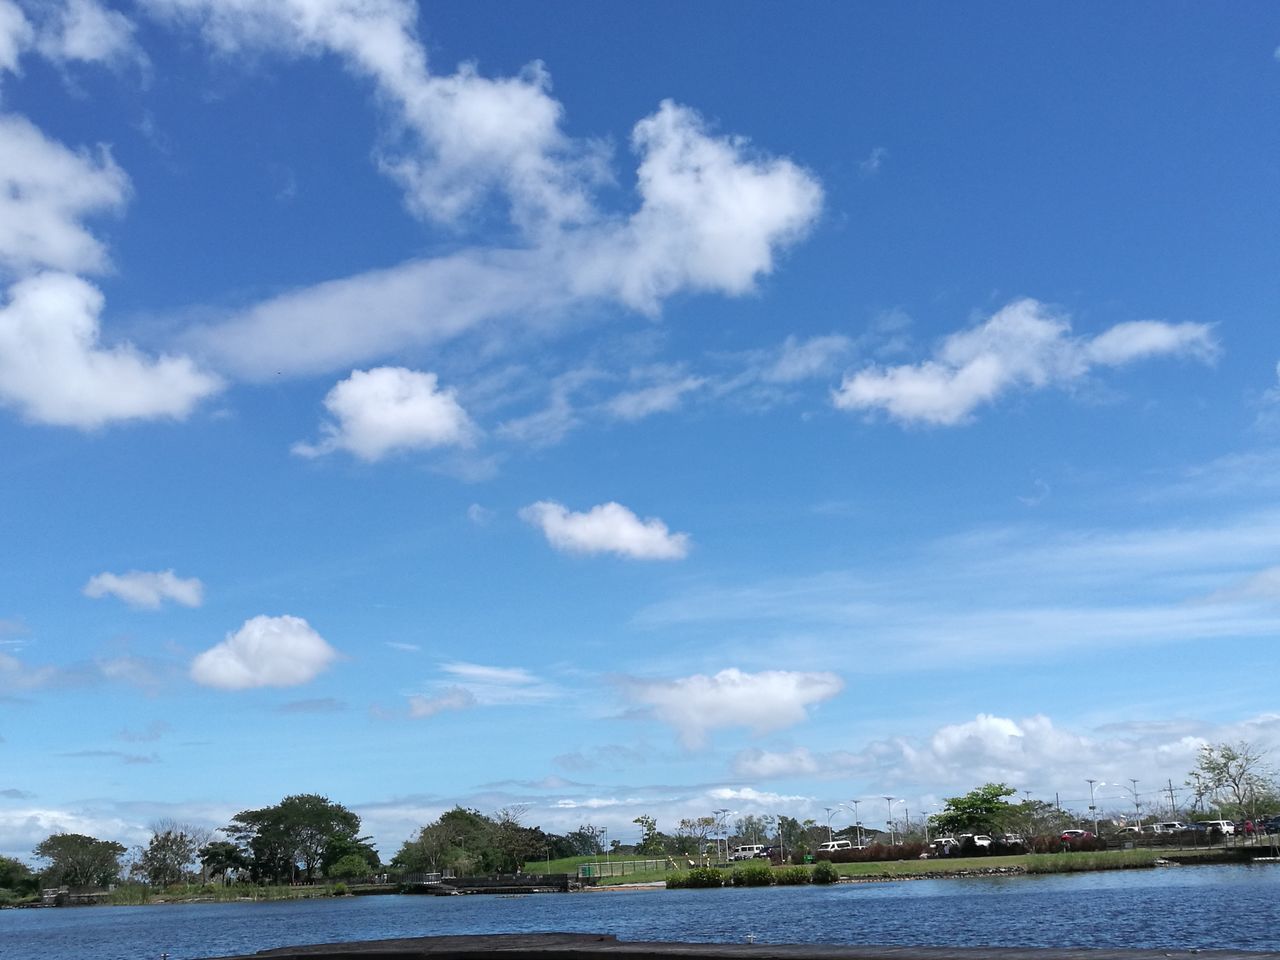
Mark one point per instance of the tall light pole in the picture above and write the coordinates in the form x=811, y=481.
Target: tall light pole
x=829, y=812
x=1137, y=807
x=857, y=821
x=888, y=802
x=1093, y=809
x=720, y=818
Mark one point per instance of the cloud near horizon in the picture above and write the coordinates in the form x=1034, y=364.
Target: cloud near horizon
x=762, y=702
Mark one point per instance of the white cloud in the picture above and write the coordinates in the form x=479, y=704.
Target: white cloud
x=16, y=34
x=387, y=409
x=764, y=701
x=451, y=698
x=54, y=370
x=710, y=218
x=806, y=359
x=480, y=515
x=874, y=161
x=1138, y=339
x=712, y=213
x=265, y=652
x=140, y=588
x=1023, y=345
x=85, y=30
x=770, y=764
x=478, y=673
x=45, y=191
x=607, y=528
x=664, y=397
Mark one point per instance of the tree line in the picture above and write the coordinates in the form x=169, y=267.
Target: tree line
x=306, y=838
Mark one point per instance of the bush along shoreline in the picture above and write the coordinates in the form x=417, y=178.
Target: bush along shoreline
x=760, y=874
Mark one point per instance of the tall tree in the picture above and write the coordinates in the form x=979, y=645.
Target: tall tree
x=79, y=861
x=293, y=835
x=167, y=857
x=983, y=810
x=1233, y=773
x=220, y=857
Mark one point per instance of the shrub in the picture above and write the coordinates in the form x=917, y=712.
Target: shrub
x=697, y=877
x=752, y=875
x=791, y=876
x=824, y=871
x=339, y=889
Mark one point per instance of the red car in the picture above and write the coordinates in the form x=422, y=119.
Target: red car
x=1070, y=835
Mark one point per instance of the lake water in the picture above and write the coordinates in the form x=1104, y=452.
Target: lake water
x=1224, y=907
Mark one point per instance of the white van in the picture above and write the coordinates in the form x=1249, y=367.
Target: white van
x=831, y=845
x=748, y=852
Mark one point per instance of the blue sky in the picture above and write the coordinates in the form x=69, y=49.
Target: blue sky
x=630, y=409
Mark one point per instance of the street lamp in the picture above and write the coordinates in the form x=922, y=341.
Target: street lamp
x=720, y=816
x=1093, y=809
x=888, y=802
x=829, y=812
x=1137, y=807
x=857, y=821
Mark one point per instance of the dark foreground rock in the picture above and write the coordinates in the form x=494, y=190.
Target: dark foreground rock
x=589, y=946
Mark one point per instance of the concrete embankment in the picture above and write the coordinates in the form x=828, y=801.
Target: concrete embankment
x=583, y=946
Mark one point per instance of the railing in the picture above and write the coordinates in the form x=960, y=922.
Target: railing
x=619, y=868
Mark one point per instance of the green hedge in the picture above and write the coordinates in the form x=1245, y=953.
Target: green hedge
x=752, y=875
x=791, y=876
x=824, y=871
x=695, y=878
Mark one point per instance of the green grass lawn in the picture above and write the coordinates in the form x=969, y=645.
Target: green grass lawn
x=1032, y=863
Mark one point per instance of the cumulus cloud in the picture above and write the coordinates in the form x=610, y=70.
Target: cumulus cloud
x=16, y=34
x=47, y=191
x=265, y=652
x=54, y=370
x=377, y=412
x=762, y=702
x=140, y=588
x=87, y=31
x=607, y=528
x=711, y=214
x=1025, y=345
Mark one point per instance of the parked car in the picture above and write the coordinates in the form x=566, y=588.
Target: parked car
x=1168, y=826
x=944, y=846
x=979, y=840
x=748, y=851
x=1069, y=835
x=832, y=845
x=1128, y=831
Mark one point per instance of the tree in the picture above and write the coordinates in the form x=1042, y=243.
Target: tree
x=692, y=833
x=220, y=857
x=984, y=810
x=1236, y=774
x=294, y=834
x=79, y=861
x=1035, y=818
x=586, y=841
x=460, y=839
x=17, y=877
x=651, y=839
x=749, y=829
x=167, y=857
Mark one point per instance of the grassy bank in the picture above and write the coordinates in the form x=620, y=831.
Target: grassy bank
x=1032, y=864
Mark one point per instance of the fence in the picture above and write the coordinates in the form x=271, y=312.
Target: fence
x=619, y=868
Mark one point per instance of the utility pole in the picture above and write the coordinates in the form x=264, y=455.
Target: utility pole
x=1137, y=807
x=1172, y=802
x=889, y=823
x=1093, y=808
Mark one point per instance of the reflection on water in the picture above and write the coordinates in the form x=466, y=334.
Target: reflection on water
x=1231, y=907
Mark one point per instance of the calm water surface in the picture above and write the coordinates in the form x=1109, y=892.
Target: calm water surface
x=1234, y=907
